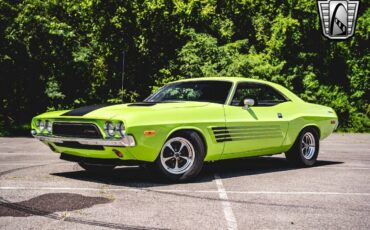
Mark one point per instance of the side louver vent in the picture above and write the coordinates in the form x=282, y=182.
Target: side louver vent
x=236, y=133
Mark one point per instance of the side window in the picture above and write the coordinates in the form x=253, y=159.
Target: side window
x=263, y=95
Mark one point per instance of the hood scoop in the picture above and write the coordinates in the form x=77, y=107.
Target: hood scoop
x=142, y=104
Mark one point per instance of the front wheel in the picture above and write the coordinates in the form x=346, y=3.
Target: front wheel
x=305, y=150
x=181, y=157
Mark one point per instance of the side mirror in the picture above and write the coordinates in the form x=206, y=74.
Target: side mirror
x=248, y=102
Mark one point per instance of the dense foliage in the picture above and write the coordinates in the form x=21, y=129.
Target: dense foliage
x=62, y=54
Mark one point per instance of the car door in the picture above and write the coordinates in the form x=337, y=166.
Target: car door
x=256, y=130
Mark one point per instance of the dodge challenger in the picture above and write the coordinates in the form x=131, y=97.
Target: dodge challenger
x=189, y=122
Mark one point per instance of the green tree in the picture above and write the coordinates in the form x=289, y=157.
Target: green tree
x=63, y=54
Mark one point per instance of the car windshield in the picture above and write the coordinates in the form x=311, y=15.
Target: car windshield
x=208, y=91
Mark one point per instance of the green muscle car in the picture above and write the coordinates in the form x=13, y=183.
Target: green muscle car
x=188, y=122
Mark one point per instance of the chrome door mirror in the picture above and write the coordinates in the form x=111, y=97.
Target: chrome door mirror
x=248, y=102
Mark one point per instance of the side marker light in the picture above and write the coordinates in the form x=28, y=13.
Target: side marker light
x=149, y=132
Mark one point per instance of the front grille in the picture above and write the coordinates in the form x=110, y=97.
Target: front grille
x=81, y=130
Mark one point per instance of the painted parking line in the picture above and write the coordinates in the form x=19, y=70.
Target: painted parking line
x=347, y=168
x=188, y=191
x=226, y=205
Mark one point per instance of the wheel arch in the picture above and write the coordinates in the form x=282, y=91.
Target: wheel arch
x=193, y=129
x=313, y=126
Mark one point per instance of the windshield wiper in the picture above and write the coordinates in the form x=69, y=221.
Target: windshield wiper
x=164, y=101
x=142, y=103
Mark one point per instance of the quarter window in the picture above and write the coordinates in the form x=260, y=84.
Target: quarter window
x=263, y=95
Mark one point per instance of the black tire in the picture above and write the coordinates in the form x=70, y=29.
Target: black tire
x=198, y=157
x=96, y=168
x=297, y=156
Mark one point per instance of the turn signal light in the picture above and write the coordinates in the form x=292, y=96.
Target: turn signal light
x=118, y=153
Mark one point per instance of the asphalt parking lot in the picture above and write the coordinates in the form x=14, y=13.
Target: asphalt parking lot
x=39, y=191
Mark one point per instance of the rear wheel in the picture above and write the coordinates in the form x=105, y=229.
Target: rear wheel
x=181, y=157
x=96, y=168
x=305, y=150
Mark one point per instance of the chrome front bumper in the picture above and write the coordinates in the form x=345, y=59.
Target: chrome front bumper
x=127, y=140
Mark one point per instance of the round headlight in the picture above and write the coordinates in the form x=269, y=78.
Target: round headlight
x=41, y=125
x=109, y=128
x=33, y=132
x=49, y=126
x=121, y=128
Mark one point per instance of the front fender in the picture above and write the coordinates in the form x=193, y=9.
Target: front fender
x=149, y=147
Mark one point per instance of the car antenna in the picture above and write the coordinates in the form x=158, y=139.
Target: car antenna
x=123, y=73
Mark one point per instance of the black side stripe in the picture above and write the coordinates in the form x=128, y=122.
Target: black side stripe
x=84, y=110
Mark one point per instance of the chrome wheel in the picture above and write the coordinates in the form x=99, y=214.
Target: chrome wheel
x=177, y=155
x=308, y=146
